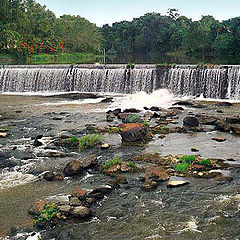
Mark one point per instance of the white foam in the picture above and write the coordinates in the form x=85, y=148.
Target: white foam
x=161, y=98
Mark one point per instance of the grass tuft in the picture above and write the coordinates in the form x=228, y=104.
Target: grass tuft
x=89, y=141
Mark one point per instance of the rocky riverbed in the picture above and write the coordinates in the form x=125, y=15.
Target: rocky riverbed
x=90, y=169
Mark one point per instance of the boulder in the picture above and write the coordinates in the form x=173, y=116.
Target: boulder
x=105, y=146
x=172, y=184
x=224, y=104
x=3, y=134
x=74, y=167
x=81, y=212
x=49, y=176
x=130, y=119
x=107, y=100
x=134, y=132
x=65, y=209
x=156, y=174
x=154, y=108
x=115, y=111
x=79, y=192
x=131, y=110
x=219, y=139
x=190, y=122
x=183, y=103
x=222, y=126
x=233, y=120
x=37, y=143
x=110, y=117
x=99, y=193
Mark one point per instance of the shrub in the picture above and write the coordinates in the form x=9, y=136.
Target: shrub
x=48, y=213
x=131, y=118
x=73, y=139
x=187, y=159
x=145, y=123
x=113, y=130
x=89, y=141
x=205, y=162
x=181, y=167
x=110, y=163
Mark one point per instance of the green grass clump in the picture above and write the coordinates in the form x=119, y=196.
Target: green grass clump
x=89, y=141
x=163, y=130
x=187, y=159
x=116, y=161
x=48, y=213
x=131, y=118
x=113, y=130
x=145, y=123
x=181, y=167
x=205, y=162
x=132, y=165
x=73, y=139
x=110, y=163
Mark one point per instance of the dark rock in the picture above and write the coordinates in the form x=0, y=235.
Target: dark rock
x=154, y=108
x=131, y=110
x=224, y=104
x=56, y=118
x=219, y=139
x=206, y=119
x=222, y=126
x=177, y=108
x=107, y=100
x=73, y=168
x=115, y=111
x=194, y=150
x=156, y=174
x=145, y=108
x=49, y=176
x=233, y=120
x=190, y=121
x=110, y=117
x=76, y=96
x=58, y=177
x=183, y=103
x=37, y=143
x=134, y=132
x=99, y=193
x=156, y=115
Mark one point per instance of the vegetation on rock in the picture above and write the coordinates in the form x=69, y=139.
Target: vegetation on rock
x=89, y=141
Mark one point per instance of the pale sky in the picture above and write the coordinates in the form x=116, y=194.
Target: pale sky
x=109, y=11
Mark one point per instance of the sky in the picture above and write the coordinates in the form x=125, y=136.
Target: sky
x=109, y=11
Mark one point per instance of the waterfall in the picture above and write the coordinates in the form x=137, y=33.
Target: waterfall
x=183, y=80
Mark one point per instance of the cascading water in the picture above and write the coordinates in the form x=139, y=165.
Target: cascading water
x=184, y=80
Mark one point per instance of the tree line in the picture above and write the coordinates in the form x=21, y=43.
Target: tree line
x=27, y=26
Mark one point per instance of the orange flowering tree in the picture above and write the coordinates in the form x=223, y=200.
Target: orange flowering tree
x=23, y=49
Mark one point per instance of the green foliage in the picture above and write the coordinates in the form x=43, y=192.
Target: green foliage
x=48, y=213
x=205, y=162
x=111, y=162
x=113, y=129
x=89, y=141
x=145, y=123
x=132, y=165
x=163, y=130
x=184, y=163
x=187, y=159
x=73, y=139
x=106, y=165
x=65, y=58
x=181, y=167
x=132, y=118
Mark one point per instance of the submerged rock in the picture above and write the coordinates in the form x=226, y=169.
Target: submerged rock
x=219, y=139
x=156, y=173
x=131, y=110
x=190, y=122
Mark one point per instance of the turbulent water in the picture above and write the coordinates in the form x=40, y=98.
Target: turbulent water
x=217, y=82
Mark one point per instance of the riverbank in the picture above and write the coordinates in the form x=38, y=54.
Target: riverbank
x=59, y=58
x=207, y=207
